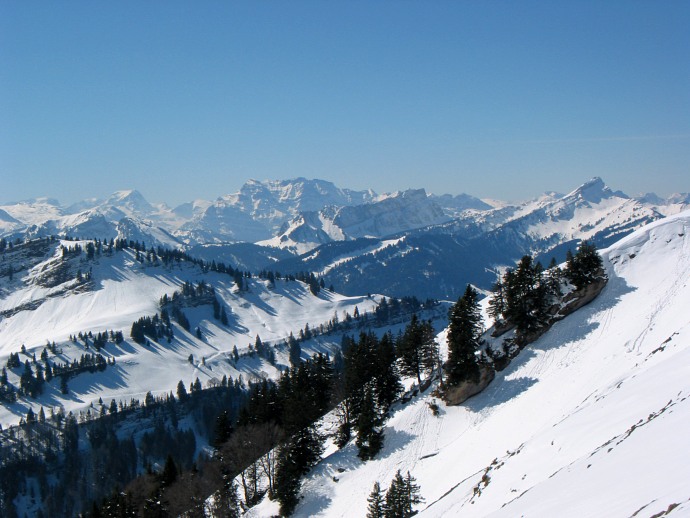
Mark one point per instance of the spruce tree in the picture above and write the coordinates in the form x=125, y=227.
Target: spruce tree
x=386, y=378
x=401, y=496
x=582, y=268
x=294, y=351
x=464, y=332
x=369, y=435
x=497, y=303
x=377, y=503
x=416, y=349
x=526, y=295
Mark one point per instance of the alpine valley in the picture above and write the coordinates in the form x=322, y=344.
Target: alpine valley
x=292, y=347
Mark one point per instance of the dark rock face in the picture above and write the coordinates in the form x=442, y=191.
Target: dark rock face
x=465, y=390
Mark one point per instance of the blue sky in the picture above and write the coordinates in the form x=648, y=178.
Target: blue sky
x=185, y=100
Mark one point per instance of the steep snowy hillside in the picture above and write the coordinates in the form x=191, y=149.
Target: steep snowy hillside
x=590, y=420
x=50, y=295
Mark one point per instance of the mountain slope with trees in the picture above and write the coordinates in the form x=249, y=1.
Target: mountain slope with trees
x=588, y=420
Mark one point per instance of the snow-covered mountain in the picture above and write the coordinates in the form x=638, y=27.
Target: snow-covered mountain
x=589, y=420
x=435, y=244
x=389, y=215
x=439, y=260
x=50, y=295
x=256, y=212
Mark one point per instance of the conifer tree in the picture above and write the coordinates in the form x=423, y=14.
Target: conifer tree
x=369, y=435
x=582, y=268
x=377, y=503
x=169, y=473
x=526, y=295
x=401, y=496
x=181, y=391
x=497, y=303
x=415, y=349
x=387, y=384
x=295, y=351
x=464, y=332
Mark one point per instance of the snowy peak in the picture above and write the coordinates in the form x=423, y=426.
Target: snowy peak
x=290, y=197
x=455, y=205
x=391, y=214
x=407, y=210
x=131, y=202
x=593, y=191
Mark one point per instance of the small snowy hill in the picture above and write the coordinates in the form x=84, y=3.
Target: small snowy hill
x=48, y=297
x=590, y=420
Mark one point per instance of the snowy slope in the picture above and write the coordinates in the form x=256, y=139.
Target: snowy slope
x=121, y=291
x=590, y=420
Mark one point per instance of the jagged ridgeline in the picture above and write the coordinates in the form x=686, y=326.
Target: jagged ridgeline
x=400, y=244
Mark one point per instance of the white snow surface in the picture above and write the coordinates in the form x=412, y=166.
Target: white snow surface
x=590, y=420
x=125, y=290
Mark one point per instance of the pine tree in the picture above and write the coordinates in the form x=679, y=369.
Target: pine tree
x=377, y=503
x=415, y=349
x=464, y=332
x=369, y=435
x=497, y=303
x=295, y=351
x=582, y=268
x=526, y=295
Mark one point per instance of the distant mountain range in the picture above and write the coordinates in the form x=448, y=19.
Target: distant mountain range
x=403, y=243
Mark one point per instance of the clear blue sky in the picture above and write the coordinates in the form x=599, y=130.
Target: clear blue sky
x=185, y=100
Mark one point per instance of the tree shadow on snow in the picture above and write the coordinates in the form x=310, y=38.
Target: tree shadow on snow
x=497, y=393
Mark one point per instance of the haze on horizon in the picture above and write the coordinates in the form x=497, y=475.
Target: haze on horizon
x=183, y=101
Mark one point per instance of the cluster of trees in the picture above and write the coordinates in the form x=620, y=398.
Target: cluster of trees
x=522, y=297
x=43, y=446
x=371, y=380
x=86, y=363
x=98, y=340
x=398, y=501
x=156, y=327
x=294, y=404
x=389, y=310
x=369, y=384
x=35, y=374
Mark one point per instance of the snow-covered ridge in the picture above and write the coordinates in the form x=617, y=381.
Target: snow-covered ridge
x=120, y=290
x=275, y=212
x=590, y=420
